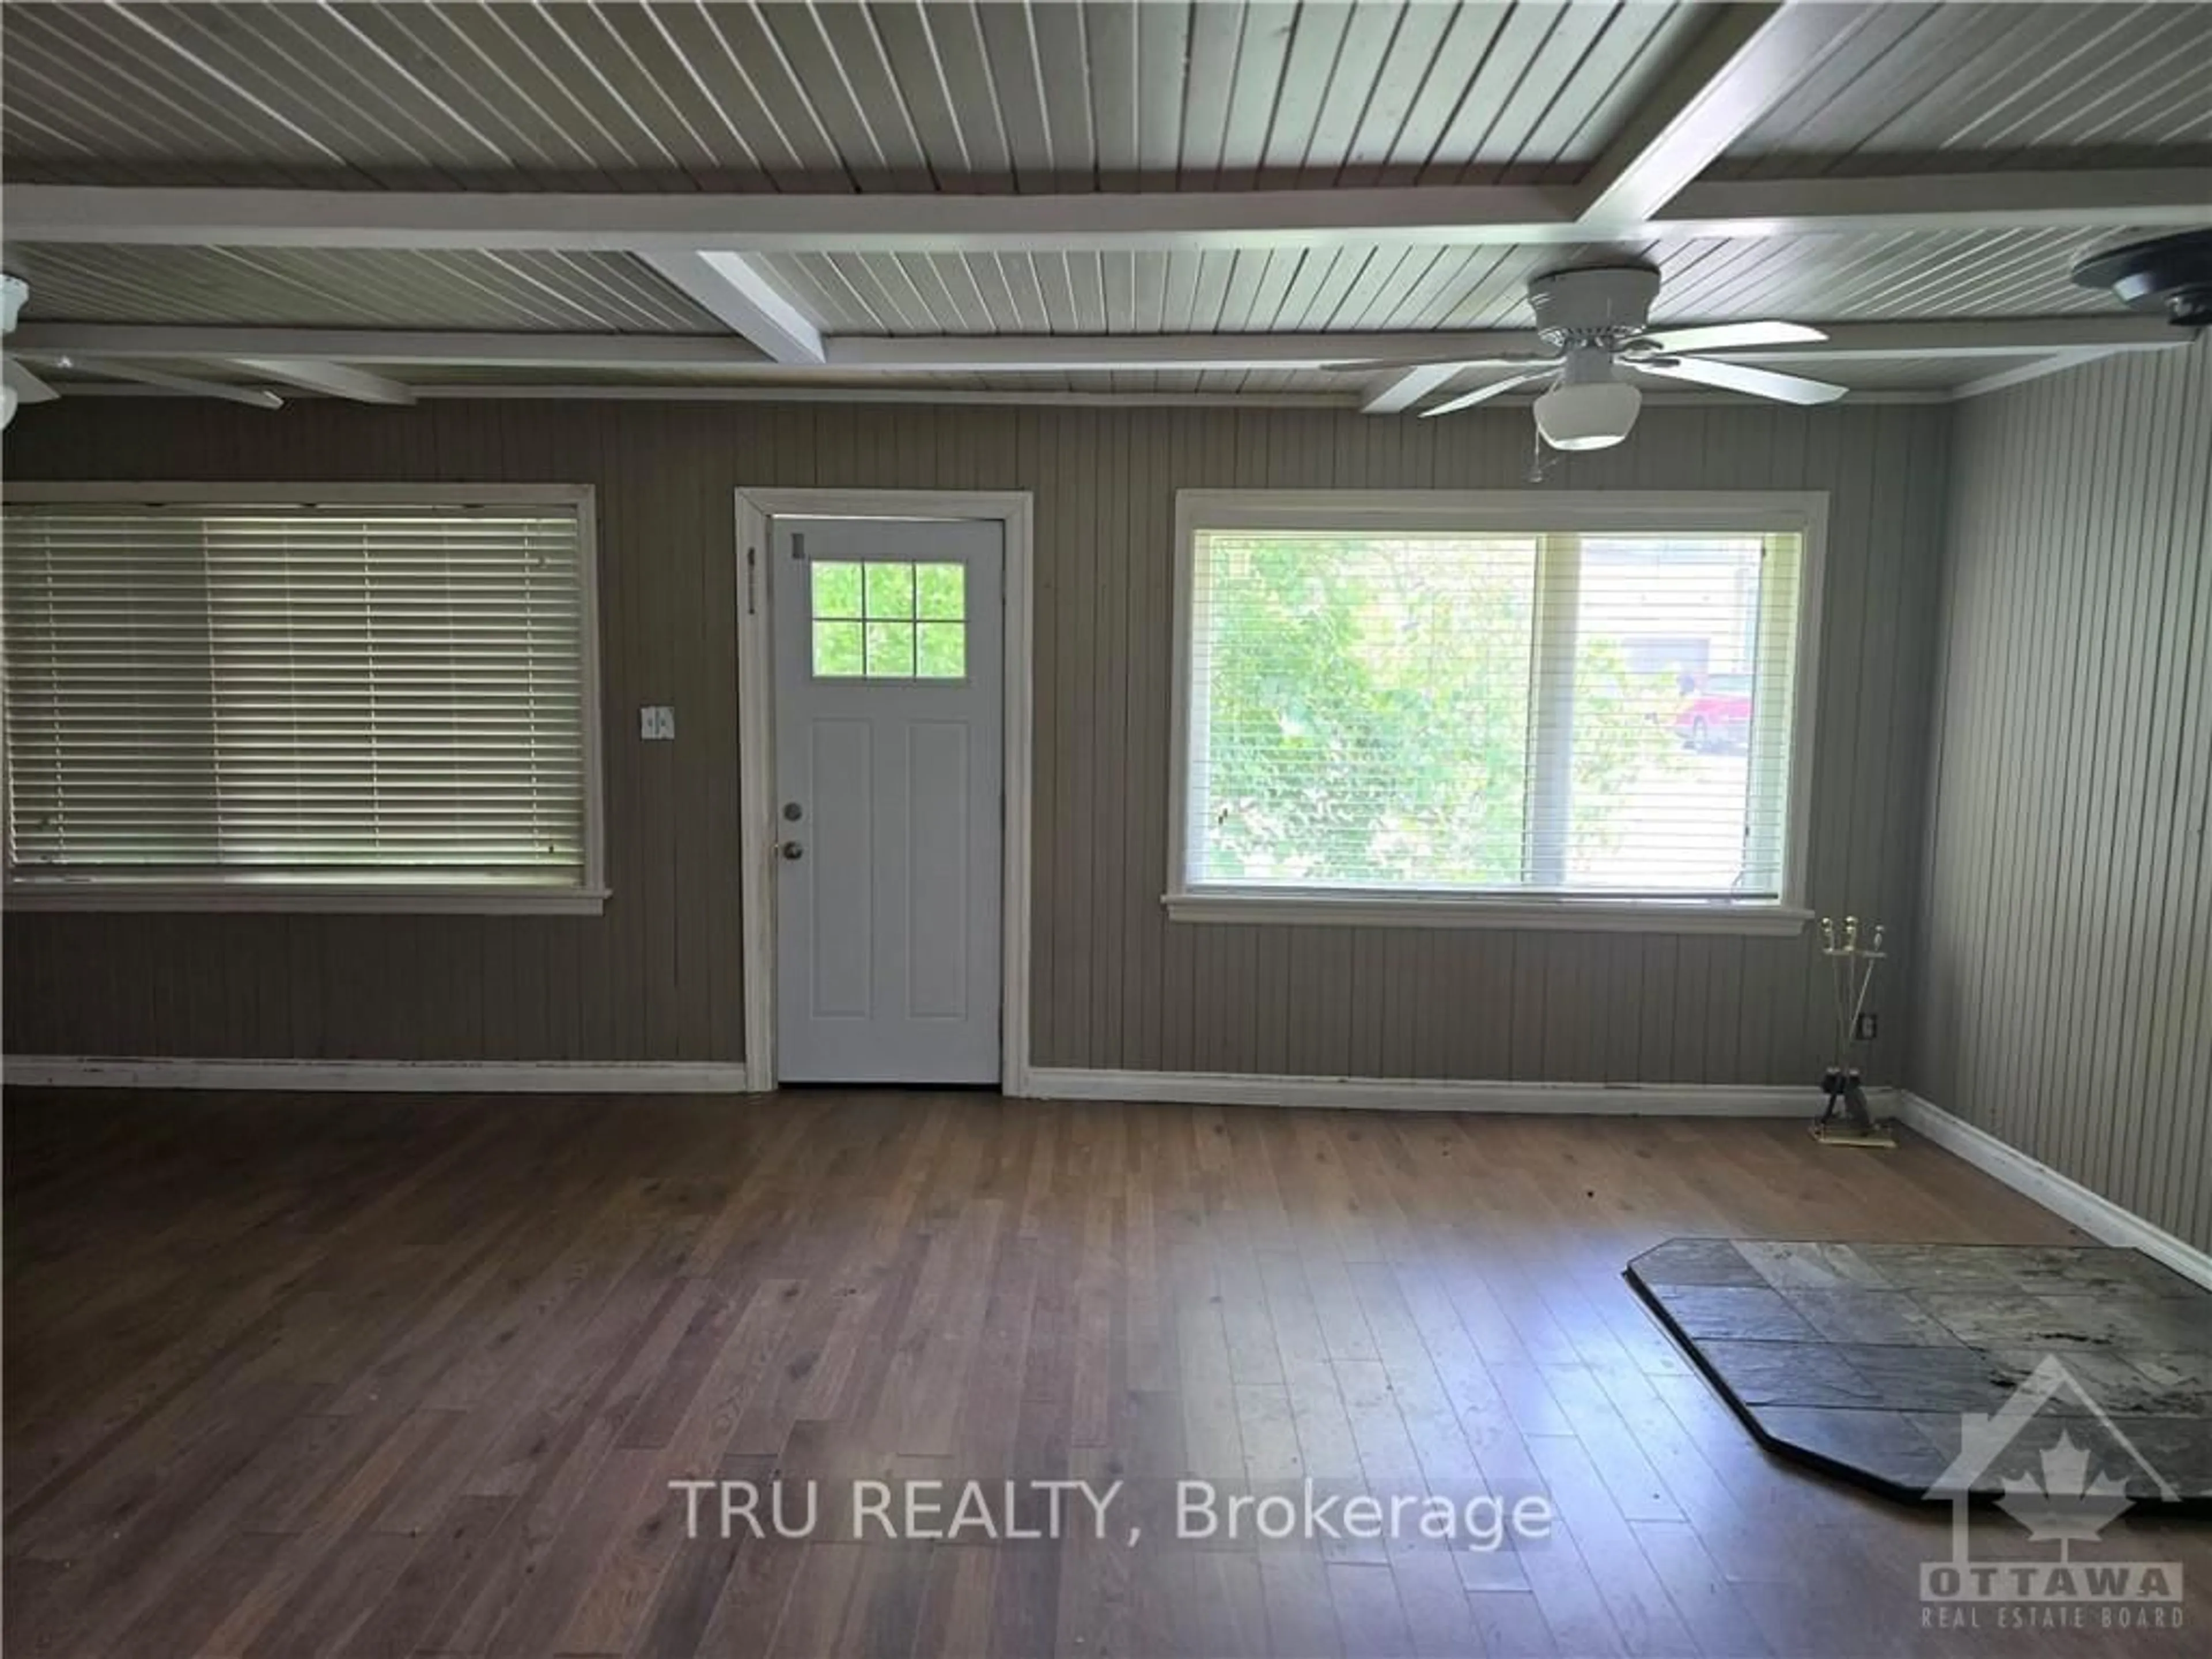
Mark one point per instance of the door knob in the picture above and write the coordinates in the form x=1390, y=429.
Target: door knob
x=791, y=849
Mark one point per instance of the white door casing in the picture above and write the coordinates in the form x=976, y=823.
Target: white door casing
x=889, y=701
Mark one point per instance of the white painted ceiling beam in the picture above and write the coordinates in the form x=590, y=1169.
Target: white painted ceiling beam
x=2088, y=198
x=735, y=289
x=1043, y=353
x=331, y=380
x=371, y=345
x=1747, y=57
x=1448, y=214
x=1061, y=353
x=767, y=223
x=1039, y=353
x=862, y=391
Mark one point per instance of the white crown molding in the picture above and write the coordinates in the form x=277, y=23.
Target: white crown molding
x=2063, y=1196
x=523, y=1077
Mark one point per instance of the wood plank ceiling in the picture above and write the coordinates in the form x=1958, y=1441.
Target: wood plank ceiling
x=1106, y=98
x=792, y=97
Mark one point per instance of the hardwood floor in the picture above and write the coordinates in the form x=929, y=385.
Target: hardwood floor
x=291, y=1375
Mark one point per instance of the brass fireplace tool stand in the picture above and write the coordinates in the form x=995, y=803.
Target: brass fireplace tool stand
x=1846, y=1120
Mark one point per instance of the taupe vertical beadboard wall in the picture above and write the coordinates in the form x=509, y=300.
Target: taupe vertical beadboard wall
x=1115, y=985
x=2065, y=957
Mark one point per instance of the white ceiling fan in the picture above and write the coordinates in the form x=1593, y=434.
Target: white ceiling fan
x=1596, y=321
x=19, y=384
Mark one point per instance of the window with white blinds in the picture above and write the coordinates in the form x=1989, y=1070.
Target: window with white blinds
x=284, y=696
x=1542, y=706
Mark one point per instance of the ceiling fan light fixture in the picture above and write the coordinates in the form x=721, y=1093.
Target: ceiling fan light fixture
x=1588, y=414
x=1595, y=320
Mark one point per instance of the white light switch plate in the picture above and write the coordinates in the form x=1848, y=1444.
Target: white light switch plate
x=656, y=722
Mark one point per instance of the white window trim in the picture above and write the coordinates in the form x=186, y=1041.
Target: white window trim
x=1524, y=510
x=108, y=893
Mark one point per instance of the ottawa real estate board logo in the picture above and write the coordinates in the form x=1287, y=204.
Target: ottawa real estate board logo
x=2064, y=1467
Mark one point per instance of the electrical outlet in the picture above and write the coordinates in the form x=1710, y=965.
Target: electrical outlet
x=1869, y=1027
x=656, y=723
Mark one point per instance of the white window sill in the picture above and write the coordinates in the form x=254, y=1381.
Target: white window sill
x=1541, y=914
x=303, y=900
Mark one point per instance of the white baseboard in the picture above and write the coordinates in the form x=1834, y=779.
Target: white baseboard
x=2063, y=1196
x=1041, y=1083
x=381, y=1077
x=1427, y=1095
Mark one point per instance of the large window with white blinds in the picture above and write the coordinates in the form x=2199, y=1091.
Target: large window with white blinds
x=301, y=697
x=1527, y=707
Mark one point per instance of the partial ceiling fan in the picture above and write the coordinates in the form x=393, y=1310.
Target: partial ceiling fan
x=1596, y=321
x=19, y=384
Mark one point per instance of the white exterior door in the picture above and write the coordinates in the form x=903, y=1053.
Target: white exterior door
x=890, y=663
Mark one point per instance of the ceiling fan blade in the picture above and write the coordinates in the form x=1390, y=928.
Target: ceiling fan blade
x=1724, y=336
x=252, y=397
x=1484, y=393
x=28, y=388
x=1384, y=365
x=1742, y=377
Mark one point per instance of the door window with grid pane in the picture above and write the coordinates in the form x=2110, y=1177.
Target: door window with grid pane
x=889, y=619
x=1582, y=702
x=379, y=695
